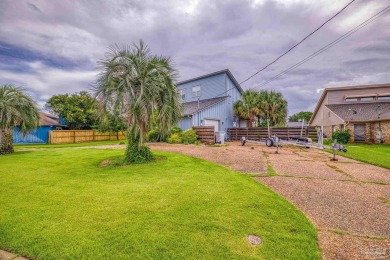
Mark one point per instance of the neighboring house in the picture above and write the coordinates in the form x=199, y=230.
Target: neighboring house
x=364, y=110
x=47, y=122
x=208, y=100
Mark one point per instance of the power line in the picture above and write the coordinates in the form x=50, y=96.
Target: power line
x=293, y=47
x=326, y=47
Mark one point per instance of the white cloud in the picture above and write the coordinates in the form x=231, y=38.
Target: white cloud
x=201, y=37
x=46, y=81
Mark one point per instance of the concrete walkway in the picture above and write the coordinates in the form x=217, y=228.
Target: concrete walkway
x=4, y=255
x=348, y=201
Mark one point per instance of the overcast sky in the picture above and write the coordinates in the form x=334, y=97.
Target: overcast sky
x=52, y=47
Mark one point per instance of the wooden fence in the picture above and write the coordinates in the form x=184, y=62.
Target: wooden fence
x=206, y=134
x=81, y=136
x=258, y=133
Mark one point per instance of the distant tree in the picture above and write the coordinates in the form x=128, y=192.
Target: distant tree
x=138, y=83
x=301, y=115
x=16, y=109
x=79, y=110
x=261, y=105
x=111, y=122
x=273, y=107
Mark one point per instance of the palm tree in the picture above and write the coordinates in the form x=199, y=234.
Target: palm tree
x=16, y=109
x=137, y=83
x=273, y=107
x=247, y=107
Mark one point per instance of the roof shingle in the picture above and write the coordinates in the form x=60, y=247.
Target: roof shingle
x=363, y=112
x=191, y=108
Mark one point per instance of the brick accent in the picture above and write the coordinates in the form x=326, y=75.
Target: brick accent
x=351, y=129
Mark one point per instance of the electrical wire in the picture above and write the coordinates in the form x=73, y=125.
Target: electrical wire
x=331, y=44
x=293, y=47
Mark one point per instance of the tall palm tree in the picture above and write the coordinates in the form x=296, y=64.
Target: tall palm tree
x=16, y=109
x=138, y=83
x=273, y=107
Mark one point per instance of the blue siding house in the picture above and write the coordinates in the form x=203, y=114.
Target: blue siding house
x=47, y=122
x=208, y=100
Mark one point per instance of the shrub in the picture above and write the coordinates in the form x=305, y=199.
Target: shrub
x=153, y=136
x=176, y=130
x=175, y=139
x=135, y=154
x=189, y=137
x=341, y=136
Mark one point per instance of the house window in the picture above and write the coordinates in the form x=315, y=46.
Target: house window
x=351, y=99
x=384, y=97
x=333, y=128
x=366, y=98
x=182, y=94
x=196, y=91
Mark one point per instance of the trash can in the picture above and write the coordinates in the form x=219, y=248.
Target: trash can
x=220, y=137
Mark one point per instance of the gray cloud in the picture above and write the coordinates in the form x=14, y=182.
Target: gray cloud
x=201, y=37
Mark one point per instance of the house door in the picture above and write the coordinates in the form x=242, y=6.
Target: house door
x=210, y=122
x=360, y=132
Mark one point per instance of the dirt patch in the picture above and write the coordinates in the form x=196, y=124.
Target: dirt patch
x=234, y=156
x=105, y=163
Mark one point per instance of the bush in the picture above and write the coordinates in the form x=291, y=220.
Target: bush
x=175, y=139
x=176, y=130
x=135, y=154
x=153, y=136
x=189, y=137
x=341, y=136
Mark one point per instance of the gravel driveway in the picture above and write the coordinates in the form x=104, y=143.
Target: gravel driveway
x=348, y=201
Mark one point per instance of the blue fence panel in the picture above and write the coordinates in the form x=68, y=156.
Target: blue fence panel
x=38, y=136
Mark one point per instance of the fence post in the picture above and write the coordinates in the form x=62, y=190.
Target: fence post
x=74, y=136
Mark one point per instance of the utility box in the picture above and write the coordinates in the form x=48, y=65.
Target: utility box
x=220, y=137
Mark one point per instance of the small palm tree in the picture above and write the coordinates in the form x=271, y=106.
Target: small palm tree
x=16, y=109
x=137, y=83
x=247, y=107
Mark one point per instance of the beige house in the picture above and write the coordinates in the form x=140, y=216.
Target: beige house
x=364, y=110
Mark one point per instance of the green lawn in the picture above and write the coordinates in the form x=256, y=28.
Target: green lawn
x=61, y=204
x=377, y=154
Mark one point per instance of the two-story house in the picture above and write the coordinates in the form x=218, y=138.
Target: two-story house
x=208, y=100
x=364, y=110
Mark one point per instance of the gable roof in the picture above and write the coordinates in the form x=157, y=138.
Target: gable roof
x=226, y=71
x=362, y=112
x=326, y=90
x=191, y=108
x=49, y=119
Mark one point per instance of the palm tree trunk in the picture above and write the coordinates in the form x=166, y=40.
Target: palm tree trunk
x=6, y=145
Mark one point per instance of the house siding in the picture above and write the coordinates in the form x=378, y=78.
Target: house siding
x=218, y=85
x=185, y=123
x=216, y=112
x=210, y=87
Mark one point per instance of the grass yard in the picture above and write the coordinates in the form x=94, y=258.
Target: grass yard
x=61, y=204
x=376, y=154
